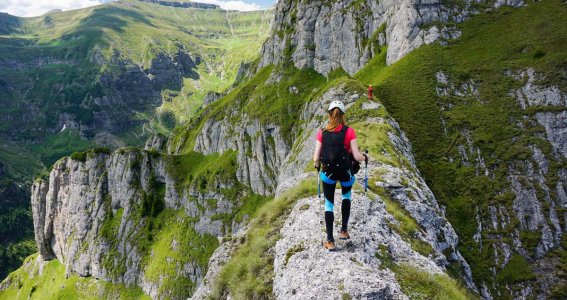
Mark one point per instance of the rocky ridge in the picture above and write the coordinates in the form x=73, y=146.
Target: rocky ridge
x=314, y=34
x=363, y=267
x=183, y=4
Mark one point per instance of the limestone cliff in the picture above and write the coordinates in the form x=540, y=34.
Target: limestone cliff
x=327, y=35
x=124, y=218
x=536, y=184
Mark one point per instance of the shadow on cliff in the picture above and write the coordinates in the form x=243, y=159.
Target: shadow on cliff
x=9, y=23
x=111, y=17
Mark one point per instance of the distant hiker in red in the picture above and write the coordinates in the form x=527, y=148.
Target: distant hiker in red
x=370, y=92
x=335, y=150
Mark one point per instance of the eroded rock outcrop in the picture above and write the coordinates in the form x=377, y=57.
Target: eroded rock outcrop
x=530, y=222
x=315, y=34
x=261, y=149
x=98, y=215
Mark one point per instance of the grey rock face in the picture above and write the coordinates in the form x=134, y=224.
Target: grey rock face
x=318, y=32
x=555, y=125
x=537, y=206
x=71, y=212
x=212, y=97
x=529, y=211
x=156, y=143
x=311, y=272
x=261, y=149
x=533, y=94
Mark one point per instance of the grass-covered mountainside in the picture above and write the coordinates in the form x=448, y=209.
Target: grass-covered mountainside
x=472, y=141
x=126, y=69
x=47, y=280
x=484, y=114
x=109, y=75
x=473, y=109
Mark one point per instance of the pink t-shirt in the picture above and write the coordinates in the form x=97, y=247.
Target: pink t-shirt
x=349, y=136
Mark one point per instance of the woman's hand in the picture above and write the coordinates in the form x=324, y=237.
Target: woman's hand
x=355, y=153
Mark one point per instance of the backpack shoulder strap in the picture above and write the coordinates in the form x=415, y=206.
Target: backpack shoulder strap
x=343, y=132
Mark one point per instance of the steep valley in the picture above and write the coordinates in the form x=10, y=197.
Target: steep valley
x=107, y=76
x=467, y=183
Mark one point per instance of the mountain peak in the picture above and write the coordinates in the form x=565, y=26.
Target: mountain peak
x=183, y=4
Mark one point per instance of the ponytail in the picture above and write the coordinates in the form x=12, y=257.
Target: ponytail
x=336, y=118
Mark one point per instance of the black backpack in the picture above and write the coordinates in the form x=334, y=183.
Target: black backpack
x=335, y=159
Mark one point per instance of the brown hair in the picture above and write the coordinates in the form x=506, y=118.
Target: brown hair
x=336, y=118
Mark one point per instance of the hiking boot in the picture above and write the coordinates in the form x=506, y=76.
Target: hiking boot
x=329, y=245
x=343, y=235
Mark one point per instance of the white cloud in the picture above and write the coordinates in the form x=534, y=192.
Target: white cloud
x=233, y=5
x=30, y=8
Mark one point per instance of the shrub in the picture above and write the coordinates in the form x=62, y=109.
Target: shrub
x=79, y=156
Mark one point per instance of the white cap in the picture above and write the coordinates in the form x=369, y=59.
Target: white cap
x=338, y=104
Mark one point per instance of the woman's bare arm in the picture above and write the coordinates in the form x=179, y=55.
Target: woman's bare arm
x=354, y=148
x=317, y=154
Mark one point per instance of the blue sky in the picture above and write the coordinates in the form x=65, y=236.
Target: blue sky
x=264, y=3
x=31, y=8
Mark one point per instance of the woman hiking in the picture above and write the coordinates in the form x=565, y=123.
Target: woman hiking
x=336, y=146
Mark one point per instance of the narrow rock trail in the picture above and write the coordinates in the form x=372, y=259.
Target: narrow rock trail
x=305, y=270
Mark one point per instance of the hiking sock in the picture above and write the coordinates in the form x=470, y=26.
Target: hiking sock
x=345, y=210
x=329, y=219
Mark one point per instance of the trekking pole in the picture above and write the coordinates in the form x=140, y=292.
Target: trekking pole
x=319, y=191
x=366, y=183
x=366, y=171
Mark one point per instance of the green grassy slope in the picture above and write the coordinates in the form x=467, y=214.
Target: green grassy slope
x=50, y=282
x=507, y=39
x=61, y=56
x=54, y=64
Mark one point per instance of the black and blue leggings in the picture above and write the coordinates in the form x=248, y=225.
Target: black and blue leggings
x=329, y=184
